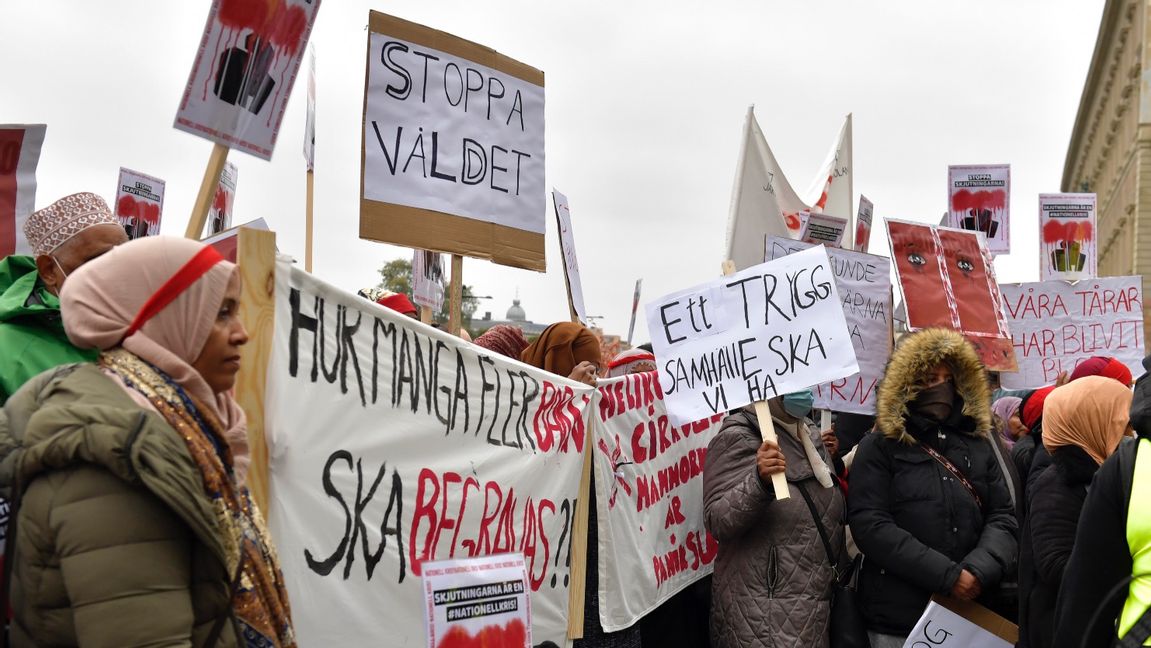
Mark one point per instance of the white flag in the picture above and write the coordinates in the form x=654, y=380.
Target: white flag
x=763, y=203
x=831, y=190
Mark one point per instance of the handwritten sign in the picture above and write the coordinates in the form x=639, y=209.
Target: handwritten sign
x=822, y=229
x=1067, y=235
x=863, y=224
x=139, y=203
x=453, y=146
x=1056, y=325
x=979, y=200
x=568, y=249
x=393, y=444
x=961, y=624
x=478, y=602
x=771, y=329
x=649, y=492
x=863, y=282
x=244, y=70
x=20, y=146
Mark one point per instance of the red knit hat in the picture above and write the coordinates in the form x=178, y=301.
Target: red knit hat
x=1105, y=366
x=504, y=339
x=1033, y=406
x=398, y=302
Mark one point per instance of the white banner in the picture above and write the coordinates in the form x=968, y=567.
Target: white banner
x=242, y=77
x=1056, y=325
x=771, y=329
x=863, y=224
x=979, y=200
x=478, y=602
x=139, y=203
x=649, y=492
x=220, y=213
x=452, y=135
x=831, y=191
x=428, y=279
x=20, y=146
x=863, y=282
x=568, y=250
x=1067, y=236
x=392, y=444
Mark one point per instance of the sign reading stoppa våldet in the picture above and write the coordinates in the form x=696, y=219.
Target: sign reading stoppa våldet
x=768, y=330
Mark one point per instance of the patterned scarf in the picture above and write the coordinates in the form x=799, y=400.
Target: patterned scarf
x=259, y=599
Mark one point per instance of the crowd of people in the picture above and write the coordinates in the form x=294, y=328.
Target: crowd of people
x=123, y=456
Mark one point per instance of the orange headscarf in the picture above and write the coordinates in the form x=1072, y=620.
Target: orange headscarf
x=561, y=347
x=1090, y=413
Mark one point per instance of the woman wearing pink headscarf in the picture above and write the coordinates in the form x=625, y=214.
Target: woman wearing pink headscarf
x=132, y=526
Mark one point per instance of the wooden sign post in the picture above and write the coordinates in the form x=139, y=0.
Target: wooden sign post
x=256, y=257
x=308, y=225
x=207, y=192
x=766, y=425
x=456, y=305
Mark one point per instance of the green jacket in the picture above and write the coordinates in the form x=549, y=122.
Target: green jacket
x=32, y=336
x=116, y=542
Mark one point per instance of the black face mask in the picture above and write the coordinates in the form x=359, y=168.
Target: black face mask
x=934, y=402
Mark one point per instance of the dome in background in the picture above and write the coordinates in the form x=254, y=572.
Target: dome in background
x=516, y=312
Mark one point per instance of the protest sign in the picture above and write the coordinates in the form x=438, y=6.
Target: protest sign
x=649, y=496
x=979, y=199
x=568, y=251
x=1067, y=234
x=20, y=146
x=392, y=444
x=863, y=224
x=771, y=329
x=428, y=279
x=863, y=282
x=453, y=146
x=952, y=623
x=139, y=203
x=220, y=213
x=242, y=77
x=822, y=229
x=948, y=280
x=1056, y=325
x=478, y=602
x=227, y=243
x=310, y=120
x=634, y=308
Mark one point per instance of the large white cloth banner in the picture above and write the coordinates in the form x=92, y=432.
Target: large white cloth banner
x=391, y=444
x=864, y=284
x=831, y=190
x=771, y=329
x=649, y=496
x=452, y=135
x=1056, y=325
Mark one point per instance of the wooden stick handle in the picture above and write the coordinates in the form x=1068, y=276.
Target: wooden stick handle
x=456, y=305
x=207, y=192
x=767, y=431
x=308, y=223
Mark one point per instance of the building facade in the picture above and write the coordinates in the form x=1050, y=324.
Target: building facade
x=1110, y=149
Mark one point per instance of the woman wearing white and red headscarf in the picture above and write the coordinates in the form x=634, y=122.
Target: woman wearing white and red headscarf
x=133, y=527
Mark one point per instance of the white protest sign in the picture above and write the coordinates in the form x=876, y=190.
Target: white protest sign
x=769, y=330
x=20, y=146
x=242, y=77
x=428, y=279
x=822, y=229
x=1067, y=235
x=310, y=120
x=568, y=249
x=392, y=444
x=1056, y=325
x=478, y=602
x=979, y=200
x=863, y=224
x=863, y=282
x=940, y=627
x=139, y=203
x=220, y=212
x=451, y=134
x=649, y=496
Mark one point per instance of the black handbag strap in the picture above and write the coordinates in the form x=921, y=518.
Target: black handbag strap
x=819, y=527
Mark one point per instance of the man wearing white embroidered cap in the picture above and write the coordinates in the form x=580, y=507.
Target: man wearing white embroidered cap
x=64, y=236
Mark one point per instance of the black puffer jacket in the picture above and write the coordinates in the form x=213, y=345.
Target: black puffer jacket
x=1057, y=497
x=916, y=524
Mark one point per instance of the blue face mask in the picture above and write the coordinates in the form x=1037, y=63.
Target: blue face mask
x=799, y=403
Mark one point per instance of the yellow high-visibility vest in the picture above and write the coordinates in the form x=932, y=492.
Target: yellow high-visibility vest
x=1139, y=540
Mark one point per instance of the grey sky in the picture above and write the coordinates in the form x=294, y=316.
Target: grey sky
x=645, y=104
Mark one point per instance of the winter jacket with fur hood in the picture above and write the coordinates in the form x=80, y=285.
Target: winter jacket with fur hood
x=772, y=581
x=917, y=525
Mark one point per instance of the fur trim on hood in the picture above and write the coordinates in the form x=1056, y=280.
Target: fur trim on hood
x=915, y=356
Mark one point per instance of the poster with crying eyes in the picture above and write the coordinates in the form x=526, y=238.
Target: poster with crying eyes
x=948, y=281
x=979, y=200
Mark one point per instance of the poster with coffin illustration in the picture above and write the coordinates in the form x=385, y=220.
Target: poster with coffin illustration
x=1068, y=245
x=978, y=200
x=139, y=203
